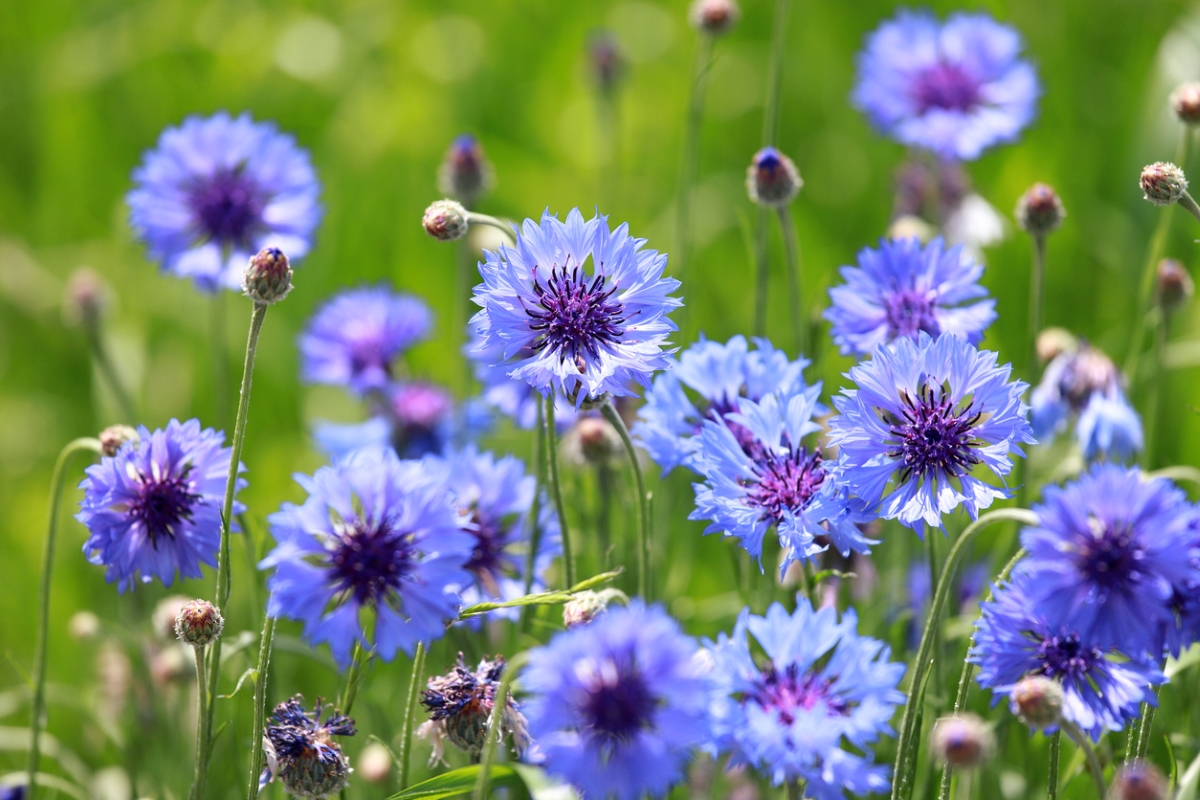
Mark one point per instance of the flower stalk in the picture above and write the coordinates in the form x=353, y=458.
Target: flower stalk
x=643, y=505
x=556, y=489
x=791, y=248
x=260, y=705
x=410, y=702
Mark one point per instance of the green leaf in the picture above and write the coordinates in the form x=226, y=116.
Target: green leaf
x=250, y=674
x=541, y=598
x=1188, y=658
x=1190, y=781
x=461, y=781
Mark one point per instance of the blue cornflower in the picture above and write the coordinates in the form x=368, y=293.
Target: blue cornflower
x=494, y=497
x=758, y=473
x=375, y=534
x=354, y=337
x=216, y=190
x=1083, y=382
x=1103, y=688
x=822, y=696
x=617, y=705
x=905, y=288
x=299, y=750
x=924, y=415
x=1106, y=555
x=586, y=334
x=514, y=398
x=954, y=89
x=154, y=508
x=721, y=376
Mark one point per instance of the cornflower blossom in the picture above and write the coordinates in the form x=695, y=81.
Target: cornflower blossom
x=1084, y=384
x=154, y=508
x=494, y=498
x=954, y=89
x=460, y=704
x=218, y=189
x=719, y=377
x=758, y=474
x=905, y=288
x=586, y=334
x=375, y=534
x=1103, y=689
x=616, y=706
x=925, y=414
x=354, y=338
x=515, y=399
x=299, y=750
x=1107, y=555
x=822, y=696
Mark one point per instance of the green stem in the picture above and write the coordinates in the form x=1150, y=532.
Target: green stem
x=556, y=490
x=410, y=702
x=535, y=530
x=220, y=355
x=1093, y=762
x=105, y=365
x=1146, y=726
x=204, y=747
x=791, y=247
x=475, y=218
x=920, y=665
x=775, y=76
x=202, y=718
x=762, y=273
x=605, y=490
x=260, y=705
x=495, y=726
x=353, y=679
x=691, y=150
x=1154, y=391
x=938, y=646
x=614, y=418
x=38, y=709
x=1052, y=769
x=1037, y=281
x=1189, y=205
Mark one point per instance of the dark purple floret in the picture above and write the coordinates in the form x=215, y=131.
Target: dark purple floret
x=1064, y=657
x=619, y=703
x=489, y=560
x=163, y=504
x=575, y=315
x=228, y=205
x=370, y=560
x=946, y=86
x=790, y=691
x=1111, y=556
x=786, y=481
x=909, y=312
x=933, y=436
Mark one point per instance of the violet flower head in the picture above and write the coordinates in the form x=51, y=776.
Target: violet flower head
x=215, y=191
x=924, y=416
x=376, y=534
x=299, y=750
x=154, y=508
x=587, y=331
x=460, y=704
x=616, y=706
x=820, y=699
x=905, y=288
x=954, y=88
x=354, y=338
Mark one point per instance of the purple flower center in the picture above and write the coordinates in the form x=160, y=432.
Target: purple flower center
x=946, y=86
x=785, y=482
x=228, y=207
x=1065, y=657
x=369, y=560
x=575, y=315
x=789, y=692
x=908, y=313
x=489, y=561
x=618, y=703
x=1109, y=555
x=933, y=437
x=367, y=354
x=719, y=411
x=163, y=503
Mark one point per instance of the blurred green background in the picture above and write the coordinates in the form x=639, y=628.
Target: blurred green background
x=376, y=90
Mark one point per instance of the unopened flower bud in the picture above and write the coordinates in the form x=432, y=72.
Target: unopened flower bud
x=87, y=297
x=605, y=60
x=1185, y=102
x=374, y=763
x=1175, y=286
x=268, y=276
x=714, y=17
x=1139, y=780
x=772, y=179
x=199, y=623
x=591, y=441
x=465, y=173
x=586, y=606
x=445, y=220
x=162, y=619
x=1052, y=342
x=911, y=227
x=1163, y=183
x=83, y=626
x=112, y=437
x=1038, y=701
x=963, y=741
x=1039, y=210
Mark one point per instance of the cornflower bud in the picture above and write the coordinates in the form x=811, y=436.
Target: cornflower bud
x=714, y=17
x=586, y=606
x=1139, y=780
x=605, y=60
x=1053, y=341
x=374, y=763
x=963, y=741
x=199, y=623
x=465, y=173
x=1038, y=701
x=772, y=179
x=268, y=276
x=162, y=619
x=1185, y=102
x=1175, y=286
x=445, y=220
x=1163, y=183
x=591, y=441
x=1040, y=211
x=112, y=437
x=87, y=297
x=911, y=227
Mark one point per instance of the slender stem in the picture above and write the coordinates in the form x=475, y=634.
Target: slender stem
x=1189, y=205
x=202, y=718
x=357, y=664
x=762, y=270
x=791, y=248
x=220, y=355
x=1154, y=390
x=556, y=490
x=260, y=705
x=204, y=747
x=495, y=727
x=1093, y=762
x=475, y=218
x=38, y=709
x=605, y=490
x=938, y=646
x=535, y=530
x=410, y=703
x=920, y=665
x=105, y=365
x=1052, y=769
x=691, y=151
x=1037, y=281
x=775, y=76
x=614, y=418
x=461, y=302
x=1146, y=726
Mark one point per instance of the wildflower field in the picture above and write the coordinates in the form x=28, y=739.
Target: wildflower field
x=644, y=398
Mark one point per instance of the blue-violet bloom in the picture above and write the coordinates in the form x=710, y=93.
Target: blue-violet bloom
x=218, y=189
x=154, y=508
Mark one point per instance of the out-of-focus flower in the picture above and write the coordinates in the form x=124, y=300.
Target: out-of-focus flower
x=86, y=299
x=772, y=179
x=1038, y=701
x=1185, y=102
x=1040, y=211
x=591, y=441
x=1174, y=286
x=460, y=705
x=964, y=741
x=465, y=173
x=299, y=750
x=216, y=190
x=606, y=63
x=714, y=17
x=1139, y=780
